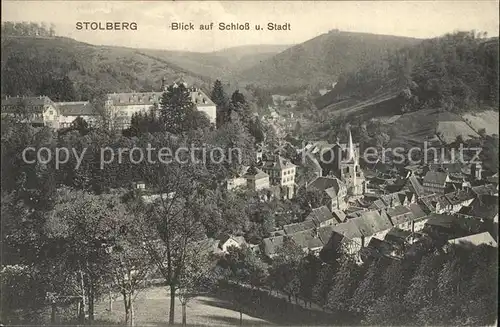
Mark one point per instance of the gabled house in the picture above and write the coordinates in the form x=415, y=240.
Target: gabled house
x=334, y=190
x=281, y=172
x=372, y=224
x=256, y=179
x=415, y=186
x=238, y=179
x=69, y=111
x=38, y=111
x=226, y=241
x=270, y=245
x=458, y=199
x=346, y=238
x=321, y=217
x=299, y=227
x=308, y=241
x=435, y=182
x=339, y=215
x=483, y=208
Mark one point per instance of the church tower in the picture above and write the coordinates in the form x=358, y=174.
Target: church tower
x=350, y=172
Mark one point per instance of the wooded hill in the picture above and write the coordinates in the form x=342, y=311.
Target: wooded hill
x=455, y=72
x=321, y=60
x=33, y=65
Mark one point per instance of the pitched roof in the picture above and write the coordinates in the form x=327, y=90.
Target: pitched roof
x=225, y=237
x=485, y=189
x=348, y=229
x=197, y=96
x=440, y=220
x=378, y=204
x=417, y=211
x=320, y=215
x=371, y=222
x=255, y=172
x=323, y=183
x=459, y=196
x=397, y=235
x=415, y=186
x=298, y=227
x=134, y=98
x=307, y=239
x=435, y=177
x=432, y=200
x=485, y=207
x=339, y=215
x=78, y=108
x=475, y=239
x=32, y=104
x=391, y=200
x=271, y=244
x=325, y=233
x=379, y=247
x=399, y=214
x=277, y=163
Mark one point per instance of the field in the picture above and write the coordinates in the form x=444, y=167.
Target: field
x=487, y=119
x=152, y=306
x=430, y=124
x=220, y=309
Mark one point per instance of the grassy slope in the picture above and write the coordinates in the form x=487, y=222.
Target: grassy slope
x=322, y=59
x=415, y=127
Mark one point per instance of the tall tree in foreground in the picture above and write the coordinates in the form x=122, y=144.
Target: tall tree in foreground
x=176, y=108
x=243, y=269
x=129, y=269
x=219, y=97
x=79, y=230
x=240, y=106
x=174, y=221
x=197, y=276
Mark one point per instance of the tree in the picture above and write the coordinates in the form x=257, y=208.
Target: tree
x=176, y=108
x=241, y=107
x=309, y=199
x=175, y=220
x=80, y=125
x=129, y=269
x=80, y=228
x=369, y=288
x=197, y=276
x=422, y=291
x=345, y=282
x=284, y=273
x=243, y=269
x=324, y=283
x=220, y=99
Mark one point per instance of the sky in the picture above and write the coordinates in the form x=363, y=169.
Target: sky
x=307, y=19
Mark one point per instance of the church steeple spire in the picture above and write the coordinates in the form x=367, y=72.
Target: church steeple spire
x=350, y=148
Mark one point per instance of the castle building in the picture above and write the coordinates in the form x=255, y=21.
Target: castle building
x=42, y=111
x=124, y=105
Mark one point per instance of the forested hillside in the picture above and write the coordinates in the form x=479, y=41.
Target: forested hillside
x=455, y=72
x=321, y=60
x=65, y=69
x=223, y=63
